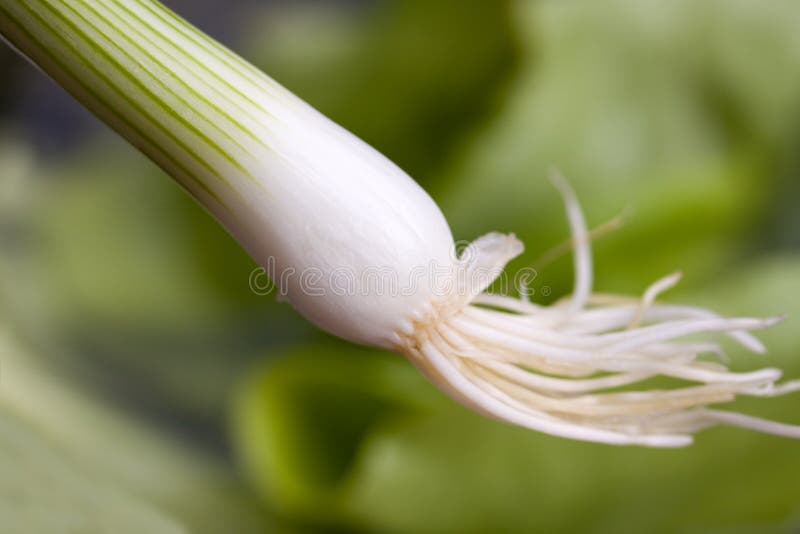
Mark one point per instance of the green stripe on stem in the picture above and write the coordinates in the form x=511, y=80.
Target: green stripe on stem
x=194, y=107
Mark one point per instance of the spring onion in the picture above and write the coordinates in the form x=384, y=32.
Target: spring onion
x=331, y=220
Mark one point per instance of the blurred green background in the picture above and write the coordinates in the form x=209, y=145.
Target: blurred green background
x=144, y=387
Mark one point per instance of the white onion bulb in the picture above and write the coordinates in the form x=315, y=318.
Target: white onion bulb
x=328, y=216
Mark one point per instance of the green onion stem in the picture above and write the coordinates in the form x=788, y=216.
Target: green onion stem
x=193, y=106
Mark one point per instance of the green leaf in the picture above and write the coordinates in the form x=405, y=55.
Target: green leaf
x=641, y=108
x=42, y=491
x=408, y=77
x=300, y=421
x=71, y=463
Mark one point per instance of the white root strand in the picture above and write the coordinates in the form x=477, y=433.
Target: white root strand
x=556, y=369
